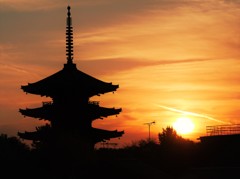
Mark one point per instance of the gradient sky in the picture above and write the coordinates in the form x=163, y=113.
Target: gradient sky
x=171, y=58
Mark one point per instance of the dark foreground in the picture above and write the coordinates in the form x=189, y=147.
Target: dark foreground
x=220, y=160
x=120, y=164
x=119, y=170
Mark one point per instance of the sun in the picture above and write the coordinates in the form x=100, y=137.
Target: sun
x=183, y=125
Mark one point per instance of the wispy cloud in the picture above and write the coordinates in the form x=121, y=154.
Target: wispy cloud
x=192, y=114
x=14, y=69
x=116, y=65
x=29, y=5
x=35, y=5
x=159, y=52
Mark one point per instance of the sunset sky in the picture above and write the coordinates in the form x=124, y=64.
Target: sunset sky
x=171, y=58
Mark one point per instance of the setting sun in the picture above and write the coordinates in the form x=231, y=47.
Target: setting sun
x=183, y=125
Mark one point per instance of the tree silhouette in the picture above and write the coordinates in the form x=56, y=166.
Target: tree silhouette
x=11, y=147
x=12, y=153
x=169, y=137
x=171, y=141
x=176, y=152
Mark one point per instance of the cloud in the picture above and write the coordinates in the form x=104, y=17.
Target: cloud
x=14, y=68
x=117, y=65
x=193, y=114
x=29, y=5
x=33, y=5
x=173, y=51
x=136, y=29
x=39, y=5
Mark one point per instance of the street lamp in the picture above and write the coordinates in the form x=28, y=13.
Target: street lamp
x=149, y=125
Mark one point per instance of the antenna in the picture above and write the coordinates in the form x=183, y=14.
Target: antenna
x=69, y=37
x=149, y=125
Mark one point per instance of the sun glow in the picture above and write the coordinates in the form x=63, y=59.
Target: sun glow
x=183, y=125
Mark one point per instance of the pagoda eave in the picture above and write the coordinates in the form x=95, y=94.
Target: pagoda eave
x=102, y=135
x=28, y=89
x=42, y=113
x=46, y=112
x=100, y=112
x=79, y=90
x=69, y=81
x=110, y=112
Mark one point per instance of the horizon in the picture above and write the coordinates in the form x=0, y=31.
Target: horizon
x=171, y=59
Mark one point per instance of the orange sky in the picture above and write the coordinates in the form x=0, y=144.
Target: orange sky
x=167, y=56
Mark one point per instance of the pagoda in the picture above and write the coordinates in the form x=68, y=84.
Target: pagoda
x=70, y=112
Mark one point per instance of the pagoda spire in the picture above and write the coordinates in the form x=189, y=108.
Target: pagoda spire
x=69, y=37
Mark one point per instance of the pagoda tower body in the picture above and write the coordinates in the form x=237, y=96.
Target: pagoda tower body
x=70, y=113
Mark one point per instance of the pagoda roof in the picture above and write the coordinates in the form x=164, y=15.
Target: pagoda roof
x=69, y=81
x=96, y=111
x=97, y=135
x=102, y=135
x=46, y=112
x=41, y=132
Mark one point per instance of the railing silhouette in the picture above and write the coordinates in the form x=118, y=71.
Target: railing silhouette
x=46, y=103
x=108, y=144
x=223, y=129
x=93, y=102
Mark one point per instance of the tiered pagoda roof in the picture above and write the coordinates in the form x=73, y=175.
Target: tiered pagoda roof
x=97, y=135
x=69, y=80
x=47, y=112
x=70, y=90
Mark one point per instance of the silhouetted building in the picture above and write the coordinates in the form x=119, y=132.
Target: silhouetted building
x=221, y=134
x=70, y=112
x=221, y=145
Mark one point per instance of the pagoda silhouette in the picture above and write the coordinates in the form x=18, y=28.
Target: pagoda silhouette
x=70, y=112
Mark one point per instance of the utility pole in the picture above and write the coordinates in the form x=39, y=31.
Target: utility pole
x=149, y=126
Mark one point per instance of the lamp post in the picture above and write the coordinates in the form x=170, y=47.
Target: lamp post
x=149, y=126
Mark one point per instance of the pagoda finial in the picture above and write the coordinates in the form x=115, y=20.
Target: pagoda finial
x=69, y=37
